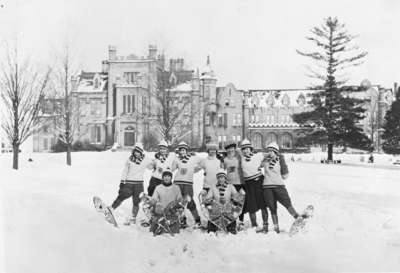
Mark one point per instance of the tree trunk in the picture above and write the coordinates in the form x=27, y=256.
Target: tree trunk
x=69, y=154
x=330, y=151
x=15, y=156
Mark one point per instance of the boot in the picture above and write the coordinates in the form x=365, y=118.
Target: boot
x=275, y=221
x=130, y=221
x=264, y=229
x=253, y=219
x=293, y=212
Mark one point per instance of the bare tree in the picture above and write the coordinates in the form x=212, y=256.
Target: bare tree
x=172, y=110
x=22, y=87
x=67, y=113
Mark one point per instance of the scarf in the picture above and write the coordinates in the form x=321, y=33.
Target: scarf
x=161, y=157
x=185, y=158
x=222, y=188
x=136, y=160
x=248, y=157
x=271, y=160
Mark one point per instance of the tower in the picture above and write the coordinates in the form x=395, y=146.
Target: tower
x=208, y=86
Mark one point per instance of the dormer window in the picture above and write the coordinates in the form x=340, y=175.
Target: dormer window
x=286, y=100
x=270, y=100
x=301, y=100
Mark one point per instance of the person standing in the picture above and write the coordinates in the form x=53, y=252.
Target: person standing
x=231, y=163
x=211, y=164
x=274, y=189
x=162, y=160
x=185, y=166
x=132, y=180
x=253, y=180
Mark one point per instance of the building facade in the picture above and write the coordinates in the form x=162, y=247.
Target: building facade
x=119, y=105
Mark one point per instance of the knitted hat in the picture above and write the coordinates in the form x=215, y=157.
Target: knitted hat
x=211, y=146
x=138, y=147
x=230, y=144
x=163, y=144
x=273, y=146
x=221, y=172
x=183, y=145
x=166, y=172
x=245, y=144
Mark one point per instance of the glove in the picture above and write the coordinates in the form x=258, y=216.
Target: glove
x=241, y=191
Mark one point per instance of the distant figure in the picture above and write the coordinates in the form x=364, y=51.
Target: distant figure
x=292, y=158
x=371, y=158
x=30, y=160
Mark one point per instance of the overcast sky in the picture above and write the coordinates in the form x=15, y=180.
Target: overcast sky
x=251, y=43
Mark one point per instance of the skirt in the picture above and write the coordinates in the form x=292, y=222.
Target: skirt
x=254, y=199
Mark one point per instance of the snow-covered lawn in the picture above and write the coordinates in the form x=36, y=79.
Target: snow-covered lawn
x=49, y=223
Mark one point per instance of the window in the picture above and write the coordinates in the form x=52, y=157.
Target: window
x=128, y=102
x=207, y=119
x=144, y=105
x=220, y=120
x=95, y=134
x=225, y=120
x=45, y=144
x=257, y=140
x=213, y=119
x=96, y=83
x=287, y=140
x=131, y=77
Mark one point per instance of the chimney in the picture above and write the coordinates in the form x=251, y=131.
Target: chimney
x=104, y=66
x=112, y=53
x=152, y=52
x=396, y=89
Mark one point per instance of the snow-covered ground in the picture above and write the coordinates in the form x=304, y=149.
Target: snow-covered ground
x=49, y=223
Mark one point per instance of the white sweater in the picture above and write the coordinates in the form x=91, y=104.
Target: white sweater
x=210, y=165
x=159, y=167
x=185, y=170
x=251, y=167
x=133, y=172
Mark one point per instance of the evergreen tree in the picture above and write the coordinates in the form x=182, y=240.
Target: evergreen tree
x=336, y=110
x=391, y=134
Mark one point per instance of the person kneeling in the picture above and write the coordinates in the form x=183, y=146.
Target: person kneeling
x=167, y=206
x=221, y=200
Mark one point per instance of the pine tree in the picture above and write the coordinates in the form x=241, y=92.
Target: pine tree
x=336, y=110
x=391, y=133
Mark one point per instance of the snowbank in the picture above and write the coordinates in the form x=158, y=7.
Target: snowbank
x=50, y=225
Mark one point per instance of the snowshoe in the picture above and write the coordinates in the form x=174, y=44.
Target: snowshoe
x=301, y=221
x=101, y=207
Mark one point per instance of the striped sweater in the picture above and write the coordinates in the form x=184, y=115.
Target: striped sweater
x=251, y=166
x=222, y=193
x=160, y=164
x=186, y=167
x=134, y=169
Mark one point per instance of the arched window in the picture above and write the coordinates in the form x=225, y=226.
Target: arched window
x=301, y=100
x=129, y=136
x=270, y=100
x=286, y=100
x=287, y=141
x=271, y=137
x=257, y=141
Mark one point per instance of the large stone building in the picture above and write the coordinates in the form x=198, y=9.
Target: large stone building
x=119, y=105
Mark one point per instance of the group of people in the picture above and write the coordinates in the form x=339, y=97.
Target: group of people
x=260, y=176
